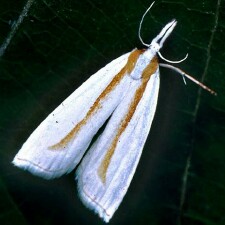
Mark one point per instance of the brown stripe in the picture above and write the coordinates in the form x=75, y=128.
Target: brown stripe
x=97, y=104
x=148, y=71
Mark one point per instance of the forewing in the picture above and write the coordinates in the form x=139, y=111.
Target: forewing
x=106, y=171
x=59, y=142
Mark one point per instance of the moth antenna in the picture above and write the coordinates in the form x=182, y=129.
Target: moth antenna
x=170, y=61
x=188, y=76
x=140, y=25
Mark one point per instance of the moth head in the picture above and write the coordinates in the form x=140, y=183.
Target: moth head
x=158, y=41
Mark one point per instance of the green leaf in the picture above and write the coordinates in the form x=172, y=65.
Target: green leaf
x=49, y=48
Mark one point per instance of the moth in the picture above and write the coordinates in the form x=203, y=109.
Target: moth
x=124, y=92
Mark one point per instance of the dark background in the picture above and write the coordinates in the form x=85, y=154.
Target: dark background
x=56, y=47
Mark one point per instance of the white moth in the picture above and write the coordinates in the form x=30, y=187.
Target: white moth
x=126, y=91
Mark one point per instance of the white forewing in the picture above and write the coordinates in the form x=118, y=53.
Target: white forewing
x=37, y=154
x=104, y=194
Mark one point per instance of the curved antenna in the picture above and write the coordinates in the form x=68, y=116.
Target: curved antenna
x=169, y=61
x=140, y=25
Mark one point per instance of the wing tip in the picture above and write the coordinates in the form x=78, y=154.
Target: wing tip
x=20, y=163
x=33, y=168
x=90, y=202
